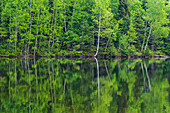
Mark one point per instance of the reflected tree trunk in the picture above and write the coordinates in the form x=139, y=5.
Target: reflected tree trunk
x=107, y=70
x=49, y=75
x=147, y=76
x=9, y=87
x=36, y=78
x=15, y=73
x=98, y=80
x=29, y=79
x=25, y=68
x=143, y=76
x=72, y=99
x=53, y=82
x=64, y=94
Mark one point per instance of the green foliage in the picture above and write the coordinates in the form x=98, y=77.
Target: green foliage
x=68, y=85
x=47, y=28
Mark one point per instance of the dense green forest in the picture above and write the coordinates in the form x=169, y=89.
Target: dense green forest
x=84, y=27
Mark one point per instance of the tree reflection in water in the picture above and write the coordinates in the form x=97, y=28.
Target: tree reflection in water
x=75, y=85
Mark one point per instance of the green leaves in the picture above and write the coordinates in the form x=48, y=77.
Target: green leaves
x=42, y=26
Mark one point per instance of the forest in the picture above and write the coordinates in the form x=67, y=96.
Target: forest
x=84, y=27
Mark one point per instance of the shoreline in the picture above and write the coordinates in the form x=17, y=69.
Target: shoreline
x=59, y=56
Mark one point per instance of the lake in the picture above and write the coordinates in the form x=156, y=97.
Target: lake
x=51, y=85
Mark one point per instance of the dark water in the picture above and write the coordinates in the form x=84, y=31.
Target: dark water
x=84, y=86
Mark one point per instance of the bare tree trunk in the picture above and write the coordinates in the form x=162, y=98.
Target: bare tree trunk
x=98, y=34
x=107, y=43
x=52, y=24
x=144, y=36
x=10, y=28
x=54, y=16
x=30, y=28
x=65, y=26
x=148, y=36
x=37, y=34
x=16, y=30
x=73, y=15
x=65, y=23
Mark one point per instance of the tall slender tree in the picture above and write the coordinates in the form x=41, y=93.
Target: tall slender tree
x=99, y=26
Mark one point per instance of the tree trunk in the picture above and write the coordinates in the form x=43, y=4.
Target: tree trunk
x=98, y=34
x=37, y=34
x=107, y=70
x=148, y=36
x=54, y=15
x=107, y=43
x=10, y=29
x=144, y=36
x=16, y=30
x=30, y=28
x=143, y=76
x=52, y=31
x=73, y=15
x=65, y=26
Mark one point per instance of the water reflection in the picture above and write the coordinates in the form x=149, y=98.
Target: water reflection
x=89, y=85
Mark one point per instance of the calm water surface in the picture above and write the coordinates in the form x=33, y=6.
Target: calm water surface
x=84, y=86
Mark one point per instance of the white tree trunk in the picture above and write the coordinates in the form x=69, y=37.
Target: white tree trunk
x=10, y=29
x=65, y=26
x=37, y=33
x=16, y=30
x=107, y=43
x=30, y=28
x=54, y=14
x=73, y=15
x=144, y=36
x=98, y=34
x=148, y=36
